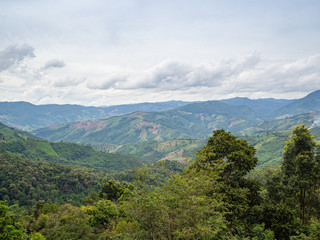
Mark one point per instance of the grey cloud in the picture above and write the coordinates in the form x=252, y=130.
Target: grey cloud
x=68, y=81
x=302, y=75
x=54, y=63
x=175, y=74
x=15, y=54
x=113, y=80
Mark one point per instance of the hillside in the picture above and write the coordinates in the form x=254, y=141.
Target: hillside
x=27, y=116
x=309, y=103
x=24, y=115
x=23, y=144
x=269, y=148
x=26, y=182
x=263, y=106
x=181, y=150
x=196, y=120
x=289, y=123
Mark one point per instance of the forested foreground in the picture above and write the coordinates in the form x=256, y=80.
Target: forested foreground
x=218, y=196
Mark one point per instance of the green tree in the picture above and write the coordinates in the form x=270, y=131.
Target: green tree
x=301, y=171
x=112, y=191
x=231, y=159
x=10, y=228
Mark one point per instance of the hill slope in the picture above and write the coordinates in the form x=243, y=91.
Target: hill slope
x=25, y=182
x=310, y=120
x=262, y=106
x=191, y=121
x=20, y=143
x=309, y=103
x=28, y=116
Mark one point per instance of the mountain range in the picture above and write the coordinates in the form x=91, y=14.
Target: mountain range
x=173, y=130
x=27, y=116
x=191, y=121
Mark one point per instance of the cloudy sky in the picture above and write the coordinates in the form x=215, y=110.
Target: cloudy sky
x=107, y=52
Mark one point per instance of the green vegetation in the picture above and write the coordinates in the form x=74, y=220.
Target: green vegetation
x=28, y=116
x=25, y=182
x=71, y=154
x=188, y=122
x=181, y=150
x=219, y=196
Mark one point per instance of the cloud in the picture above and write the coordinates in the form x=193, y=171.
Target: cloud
x=67, y=82
x=15, y=54
x=175, y=75
x=54, y=63
x=302, y=75
x=113, y=80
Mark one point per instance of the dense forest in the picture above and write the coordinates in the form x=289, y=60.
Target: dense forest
x=21, y=143
x=219, y=195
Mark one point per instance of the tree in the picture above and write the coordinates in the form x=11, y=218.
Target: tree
x=112, y=191
x=10, y=228
x=235, y=156
x=231, y=159
x=300, y=168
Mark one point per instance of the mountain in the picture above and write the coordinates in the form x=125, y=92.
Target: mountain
x=23, y=144
x=195, y=120
x=24, y=115
x=310, y=120
x=27, y=116
x=309, y=103
x=262, y=106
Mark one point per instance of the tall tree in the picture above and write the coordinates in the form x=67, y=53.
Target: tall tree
x=231, y=159
x=300, y=168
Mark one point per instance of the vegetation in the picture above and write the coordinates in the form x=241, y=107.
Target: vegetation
x=27, y=116
x=71, y=154
x=220, y=195
x=25, y=182
x=191, y=121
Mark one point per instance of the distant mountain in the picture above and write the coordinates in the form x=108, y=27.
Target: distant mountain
x=195, y=120
x=289, y=123
x=27, y=116
x=13, y=141
x=263, y=106
x=309, y=103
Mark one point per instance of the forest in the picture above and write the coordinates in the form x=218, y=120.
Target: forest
x=218, y=195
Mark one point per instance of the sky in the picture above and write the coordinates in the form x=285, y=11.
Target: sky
x=103, y=52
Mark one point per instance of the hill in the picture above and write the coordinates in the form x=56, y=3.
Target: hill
x=309, y=103
x=263, y=106
x=27, y=116
x=196, y=120
x=289, y=123
x=24, y=144
x=25, y=182
x=181, y=150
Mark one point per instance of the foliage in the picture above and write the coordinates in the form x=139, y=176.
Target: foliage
x=67, y=222
x=301, y=171
x=25, y=182
x=191, y=121
x=218, y=196
x=10, y=228
x=70, y=154
x=234, y=158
